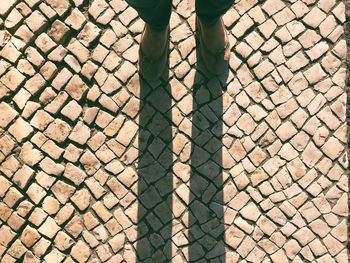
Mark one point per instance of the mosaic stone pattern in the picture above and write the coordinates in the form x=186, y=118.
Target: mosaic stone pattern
x=98, y=165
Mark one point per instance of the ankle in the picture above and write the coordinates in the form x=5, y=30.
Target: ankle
x=214, y=35
x=153, y=42
x=210, y=23
x=211, y=29
x=156, y=30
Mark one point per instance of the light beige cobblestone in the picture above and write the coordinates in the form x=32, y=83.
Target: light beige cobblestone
x=98, y=165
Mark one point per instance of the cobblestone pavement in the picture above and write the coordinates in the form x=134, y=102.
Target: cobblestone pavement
x=96, y=165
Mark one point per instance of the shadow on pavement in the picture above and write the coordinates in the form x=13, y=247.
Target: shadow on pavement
x=155, y=184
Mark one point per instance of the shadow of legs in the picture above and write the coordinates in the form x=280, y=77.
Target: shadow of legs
x=206, y=219
x=155, y=176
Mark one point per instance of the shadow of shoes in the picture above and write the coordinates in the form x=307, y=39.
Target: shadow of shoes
x=216, y=63
x=152, y=69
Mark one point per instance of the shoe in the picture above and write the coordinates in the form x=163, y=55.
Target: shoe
x=152, y=69
x=216, y=63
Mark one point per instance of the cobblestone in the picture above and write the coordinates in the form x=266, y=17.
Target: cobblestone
x=98, y=165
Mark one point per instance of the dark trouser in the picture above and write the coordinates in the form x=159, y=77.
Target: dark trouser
x=156, y=13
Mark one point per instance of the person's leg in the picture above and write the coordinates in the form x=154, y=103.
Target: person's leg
x=209, y=13
x=153, y=49
x=155, y=13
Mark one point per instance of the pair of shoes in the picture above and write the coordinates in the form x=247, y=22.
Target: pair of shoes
x=216, y=63
x=152, y=69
